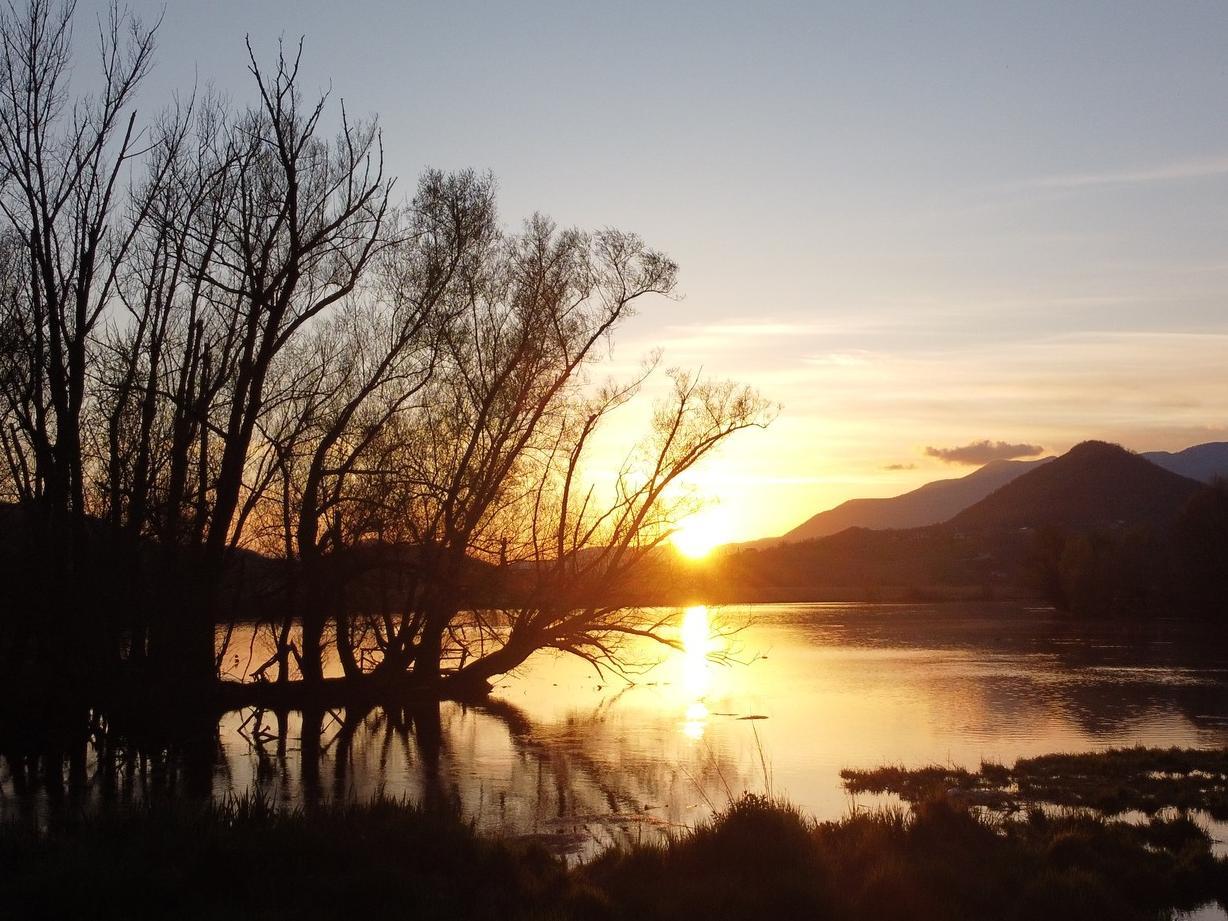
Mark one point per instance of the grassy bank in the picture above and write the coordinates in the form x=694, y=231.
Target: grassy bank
x=943, y=859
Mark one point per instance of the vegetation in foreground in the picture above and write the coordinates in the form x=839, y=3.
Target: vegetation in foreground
x=760, y=858
x=942, y=860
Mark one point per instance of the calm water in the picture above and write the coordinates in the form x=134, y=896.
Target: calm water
x=586, y=759
x=811, y=689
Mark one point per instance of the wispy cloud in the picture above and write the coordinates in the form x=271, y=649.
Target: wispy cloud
x=1166, y=172
x=983, y=452
x=845, y=359
x=758, y=329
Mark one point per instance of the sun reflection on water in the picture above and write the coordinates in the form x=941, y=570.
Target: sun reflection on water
x=695, y=634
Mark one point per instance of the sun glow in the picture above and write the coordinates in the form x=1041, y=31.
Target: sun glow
x=701, y=533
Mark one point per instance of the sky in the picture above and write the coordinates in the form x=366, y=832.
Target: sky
x=915, y=225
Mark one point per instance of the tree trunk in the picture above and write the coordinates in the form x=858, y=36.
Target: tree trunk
x=474, y=678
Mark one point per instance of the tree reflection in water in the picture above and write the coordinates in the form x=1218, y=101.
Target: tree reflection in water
x=488, y=763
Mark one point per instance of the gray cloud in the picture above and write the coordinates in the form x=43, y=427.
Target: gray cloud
x=900, y=467
x=982, y=452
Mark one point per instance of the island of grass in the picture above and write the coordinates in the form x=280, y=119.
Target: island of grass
x=1110, y=782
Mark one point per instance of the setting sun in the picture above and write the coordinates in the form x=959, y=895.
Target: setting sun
x=701, y=533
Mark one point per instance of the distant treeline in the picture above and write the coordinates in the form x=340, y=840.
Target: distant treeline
x=1143, y=570
x=1177, y=568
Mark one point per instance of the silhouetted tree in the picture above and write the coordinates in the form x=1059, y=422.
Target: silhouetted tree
x=375, y=361
x=61, y=163
x=68, y=224
x=583, y=549
x=219, y=333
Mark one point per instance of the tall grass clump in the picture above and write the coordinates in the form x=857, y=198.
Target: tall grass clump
x=939, y=861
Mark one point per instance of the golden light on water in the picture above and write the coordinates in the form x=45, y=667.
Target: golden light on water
x=695, y=634
x=696, y=714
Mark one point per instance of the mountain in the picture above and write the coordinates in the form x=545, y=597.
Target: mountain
x=1095, y=484
x=929, y=504
x=989, y=549
x=1201, y=462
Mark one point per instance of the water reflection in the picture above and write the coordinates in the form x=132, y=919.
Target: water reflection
x=562, y=753
x=695, y=633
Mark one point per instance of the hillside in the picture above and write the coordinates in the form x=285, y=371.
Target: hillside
x=987, y=550
x=929, y=504
x=1093, y=485
x=1203, y=462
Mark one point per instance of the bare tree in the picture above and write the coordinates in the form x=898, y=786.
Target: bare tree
x=18, y=409
x=60, y=182
x=489, y=471
x=536, y=314
x=297, y=223
x=583, y=547
x=62, y=165
x=391, y=357
x=308, y=217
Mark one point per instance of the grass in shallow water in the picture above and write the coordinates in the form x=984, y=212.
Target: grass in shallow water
x=1110, y=782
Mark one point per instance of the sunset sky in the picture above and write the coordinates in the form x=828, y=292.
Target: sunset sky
x=913, y=227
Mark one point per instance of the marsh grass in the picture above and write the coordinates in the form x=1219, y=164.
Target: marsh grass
x=759, y=858
x=244, y=857
x=939, y=860
x=1110, y=782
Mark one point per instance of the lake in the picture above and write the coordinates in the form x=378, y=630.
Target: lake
x=800, y=691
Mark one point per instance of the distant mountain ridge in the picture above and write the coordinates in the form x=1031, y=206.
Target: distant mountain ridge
x=942, y=500
x=1095, y=484
x=932, y=503
x=1203, y=462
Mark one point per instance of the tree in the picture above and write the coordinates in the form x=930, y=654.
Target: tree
x=298, y=222
x=584, y=553
x=220, y=333
x=307, y=218
x=61, y=166
x=488, y=472
x=536, y=312
x=379, y=356
x=66, y=234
